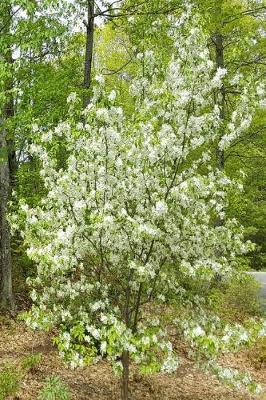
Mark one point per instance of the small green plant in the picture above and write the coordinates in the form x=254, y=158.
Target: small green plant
x=30, y=362
x=54, y=389
x=9, y=382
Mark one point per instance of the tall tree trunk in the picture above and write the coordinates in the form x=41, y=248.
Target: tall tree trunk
x=220, y=64
x=7, y=300
x=9, y=113
x=219, y=51
x=7, y=175
x=89, y=51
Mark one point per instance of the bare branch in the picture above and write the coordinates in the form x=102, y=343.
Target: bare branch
x=113, y=72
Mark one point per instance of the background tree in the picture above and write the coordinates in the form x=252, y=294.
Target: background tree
x=19, y=50
x=237, y=40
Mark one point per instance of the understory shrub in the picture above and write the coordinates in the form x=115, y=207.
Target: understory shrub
x=54, y=389
x=239, y=300
x=29, y=363
x=9, y=382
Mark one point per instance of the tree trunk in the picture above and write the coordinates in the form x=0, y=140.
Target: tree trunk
x=219, y=50
x=220, y=64
x=7, y=301
x=89, y=51
x=7, y=174
x=125, y=354
x=9, y=113
x=125, y=376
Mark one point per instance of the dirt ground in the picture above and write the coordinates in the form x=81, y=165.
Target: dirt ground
x=98, y=383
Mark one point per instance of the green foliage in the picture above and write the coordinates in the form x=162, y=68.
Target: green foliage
x=30, y=362
x=11, y=376
x=237, y=301
x=54, y=389
x=243, y=51
x=9, y=382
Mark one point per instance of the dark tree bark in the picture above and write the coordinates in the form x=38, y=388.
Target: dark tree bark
x=7, y=177
x=125, y=376
x=125, y=354
x=9, y=113
x=7, y=300
x=89, y=51
x=219, y=49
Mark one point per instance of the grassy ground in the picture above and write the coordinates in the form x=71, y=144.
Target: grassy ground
x=97, y=381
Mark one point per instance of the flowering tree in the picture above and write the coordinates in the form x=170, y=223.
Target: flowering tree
x=129, y=218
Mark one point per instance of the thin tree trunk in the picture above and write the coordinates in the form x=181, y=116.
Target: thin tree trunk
x=220, y=64
x=125, y=354
x=125, y=376
x=7, y=300
x=89, y=51
x=9, y=113
x=7, y=178
x=219, y=50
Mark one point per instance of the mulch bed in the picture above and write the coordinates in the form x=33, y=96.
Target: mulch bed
x=97, y=382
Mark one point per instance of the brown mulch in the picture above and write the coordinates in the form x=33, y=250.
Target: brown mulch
x=97, y=382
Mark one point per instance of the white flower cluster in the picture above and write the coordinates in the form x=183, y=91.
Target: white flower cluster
x=209, y=337
x=252, y=96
